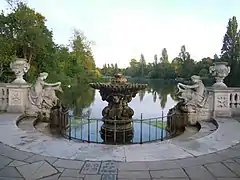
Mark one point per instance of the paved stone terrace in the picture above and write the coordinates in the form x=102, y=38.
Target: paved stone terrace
x=20, y=165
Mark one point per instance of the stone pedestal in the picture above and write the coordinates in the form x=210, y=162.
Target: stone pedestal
x=17, y=98
x=221, y=106
x=119, y=133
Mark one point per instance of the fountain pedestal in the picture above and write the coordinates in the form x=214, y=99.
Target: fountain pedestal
x=117, y=115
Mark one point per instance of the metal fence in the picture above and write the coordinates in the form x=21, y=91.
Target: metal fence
x=90, y=130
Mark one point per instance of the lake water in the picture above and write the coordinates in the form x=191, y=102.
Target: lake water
x=141, y=133
x=160, y=96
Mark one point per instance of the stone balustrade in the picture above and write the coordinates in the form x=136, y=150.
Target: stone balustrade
x=228, y=99
x=234, y=100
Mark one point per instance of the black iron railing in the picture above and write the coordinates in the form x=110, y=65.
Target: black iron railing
x=89, y=130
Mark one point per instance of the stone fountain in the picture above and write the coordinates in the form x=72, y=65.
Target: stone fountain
x=117, y=115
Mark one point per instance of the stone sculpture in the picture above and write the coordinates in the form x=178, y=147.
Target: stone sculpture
x=117, y=115
x=19, y=67
x=42, y=95
x=193, y=96
x=192, y=108
x=219, y=71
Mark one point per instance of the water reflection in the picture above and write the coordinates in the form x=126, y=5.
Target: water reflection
x=160, y=96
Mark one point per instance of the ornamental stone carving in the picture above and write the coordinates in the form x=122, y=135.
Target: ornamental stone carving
x=193, y=96
x=16, y=97
x=219, y=71
x=193, y=106
x=117, y=115
x=19, y=67
x=222, y=101
x=42, y=95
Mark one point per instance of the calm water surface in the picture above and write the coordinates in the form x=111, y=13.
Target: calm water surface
x=145, y=132
x=160, y=96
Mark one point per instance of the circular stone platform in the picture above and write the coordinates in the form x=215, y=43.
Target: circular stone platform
x=31, y=140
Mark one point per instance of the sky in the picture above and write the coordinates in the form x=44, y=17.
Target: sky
x=123, y=29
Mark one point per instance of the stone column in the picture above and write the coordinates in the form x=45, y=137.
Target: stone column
x=221, y=106
x=18, y=98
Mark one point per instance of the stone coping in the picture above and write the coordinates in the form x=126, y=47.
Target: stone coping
x=225, y=136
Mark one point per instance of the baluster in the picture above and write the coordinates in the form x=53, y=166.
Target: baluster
x=231, y=100
x=238, y=100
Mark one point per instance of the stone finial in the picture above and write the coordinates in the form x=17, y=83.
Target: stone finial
x=19, y=67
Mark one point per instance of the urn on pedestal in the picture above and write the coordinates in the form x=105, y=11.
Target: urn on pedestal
x=19, y=67
x=219, y=71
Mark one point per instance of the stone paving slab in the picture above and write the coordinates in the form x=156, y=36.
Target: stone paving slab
x=185, y=169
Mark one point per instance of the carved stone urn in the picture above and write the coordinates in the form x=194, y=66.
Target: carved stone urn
x=219, y=71
x=117, y=115
x=19, y=67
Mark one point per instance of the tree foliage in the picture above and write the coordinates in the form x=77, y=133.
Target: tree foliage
x=230, y=51
x=183, y=66
x=24, y=34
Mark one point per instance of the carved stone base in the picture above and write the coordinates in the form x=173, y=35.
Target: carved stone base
x=19, y=80
x=18, y=98
x=223, y=114
x=200, y=115
x=54, y=117
x=221, y=103
x=219, y=85
x=121, y=133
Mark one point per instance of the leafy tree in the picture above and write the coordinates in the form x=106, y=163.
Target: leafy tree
x=164, y=58
x=23, y=33
x=230, y=51
x=155, y=60
x=184, y=55
x=143, y=64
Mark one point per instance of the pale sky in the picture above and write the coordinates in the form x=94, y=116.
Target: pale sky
x=123, y=29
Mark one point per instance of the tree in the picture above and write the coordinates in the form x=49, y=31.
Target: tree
x=155, y=60
x=164, y=58
x=30, y=32
x=230, y=51
x=216, y=58
x=23, y=33
x=82, y=50
x=143, y=64
x=184, y=55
